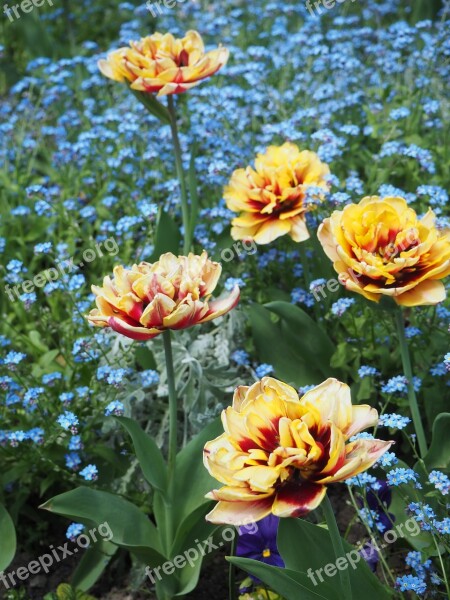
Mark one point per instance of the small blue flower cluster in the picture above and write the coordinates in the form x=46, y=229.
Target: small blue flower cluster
x=339, y=307
x=365, y=371
x=394, y=421
x=401, y=476
x=399, y=385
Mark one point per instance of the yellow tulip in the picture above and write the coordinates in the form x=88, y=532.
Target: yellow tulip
x=380, y=247
x=279, y=452
x=271, y=197
x=172, y=293
x=164, y=64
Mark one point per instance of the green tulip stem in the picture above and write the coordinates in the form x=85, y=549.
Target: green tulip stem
x=338, y=547
x=173, y=429
x=407, y=370
x=232, y=571
x=180, y=174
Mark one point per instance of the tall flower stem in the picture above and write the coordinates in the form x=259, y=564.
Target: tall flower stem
x=338, y=548
x=305, y=264
x=407, y=369
x=180, y=174
x=173, y=416
x=232, y=571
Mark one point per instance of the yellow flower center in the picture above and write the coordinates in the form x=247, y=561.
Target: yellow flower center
x=266, y=553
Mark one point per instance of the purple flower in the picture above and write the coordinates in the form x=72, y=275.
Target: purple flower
x=259, y=542
x=379, y=502
x=370, y=555
x=378, y=497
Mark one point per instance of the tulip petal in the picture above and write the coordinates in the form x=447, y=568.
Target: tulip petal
x=159, y=308
x=333, y=400
x=237, y=494
x=220, y=307
x=428, y=292
x=298, y=498
x=361, y=455
x=141, y=334
x=363, y=416
x=327, y=240
x=240, y=513
x=271, y=230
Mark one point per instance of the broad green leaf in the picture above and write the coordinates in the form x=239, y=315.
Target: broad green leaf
x=148, y=454
x=190, y=506
x=192, y=480
x=438, y=456
x=273, y=348
x=7, y=538
x=131, y=529
x=313, y=344
x=153, y=105
x=92, y=565
x=194, y=527
x=304, y=546
x=433, y=401
x=168, y=237
x=290, y=584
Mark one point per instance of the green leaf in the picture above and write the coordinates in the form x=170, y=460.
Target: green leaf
x=438, y=456
x=290, y=584
x=92, y=565
x=313, y=344
x=7, y=537
x=365, y=389
x=152, y=105
x=148, y=454
x=130, y=528
x=36, y=340
x=192, y=480
x=48, y=357
x=168, y=237
x=193, y=527
x=66, y=592
x=304, y=546
x=282, y=355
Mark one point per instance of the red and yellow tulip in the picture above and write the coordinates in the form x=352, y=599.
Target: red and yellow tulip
x=162, y=64
x=172, y=293
x=271, y=197
x=279, y=452
x=380, y=247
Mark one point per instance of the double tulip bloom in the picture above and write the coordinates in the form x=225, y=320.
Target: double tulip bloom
x=279, y=452
x=271, y=197
x=164, y=64
x=380, y=247
x=173, y=293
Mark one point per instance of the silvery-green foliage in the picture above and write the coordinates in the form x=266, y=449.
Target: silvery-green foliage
x=205, y=376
